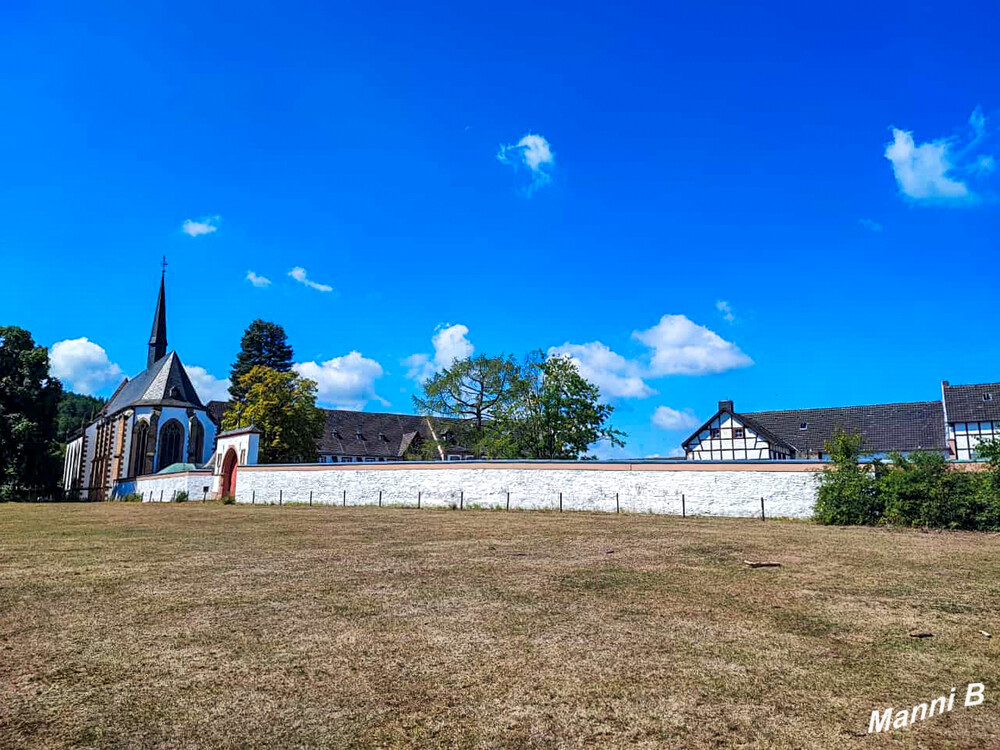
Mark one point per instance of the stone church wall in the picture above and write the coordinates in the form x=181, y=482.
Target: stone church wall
x=723, y=489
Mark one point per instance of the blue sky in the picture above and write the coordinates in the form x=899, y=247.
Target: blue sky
x=828, y=175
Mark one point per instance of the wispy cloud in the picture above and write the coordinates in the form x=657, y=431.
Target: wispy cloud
x=206, y=225
x=258, y=281
x=870, y=224
x=939, y=171
x=532, y=153
x=726, y=310
x=450, y=343
x=83, y=365
x=346, y=382
x=299, y=274
x=672, y=419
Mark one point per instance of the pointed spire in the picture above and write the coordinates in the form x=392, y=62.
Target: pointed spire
x=158, y=338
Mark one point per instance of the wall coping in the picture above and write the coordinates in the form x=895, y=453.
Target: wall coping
x=779, y=466
x=147, y=477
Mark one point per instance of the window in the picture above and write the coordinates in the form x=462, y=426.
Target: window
x=370, y=459
x=196, y=445
x=803, y=425
x=737, y=432
x=715, y=432
x=987, y=397
x=171, y=444
x=346, y=459
x=454, y=457
x=139, y=443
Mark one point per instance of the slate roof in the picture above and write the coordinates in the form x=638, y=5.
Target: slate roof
x=965, y=403
x=382, y=435
x=155, y=386
x=885, y=427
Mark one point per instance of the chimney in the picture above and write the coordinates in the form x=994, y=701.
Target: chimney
x=726, y=406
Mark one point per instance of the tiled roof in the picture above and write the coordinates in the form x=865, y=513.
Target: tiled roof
x=884, y=427
x=381, y=435
x=967, y=403
x=164, y=383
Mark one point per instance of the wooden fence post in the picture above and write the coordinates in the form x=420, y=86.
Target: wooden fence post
x=161, y=496
x=310, y=497
x=253, y=497
x=617, y=506
x=508, y=501
x=280, y=493
x=380, y=498
x=560, y=502
x=683, y=509
x=345, y=498
x=418, y=499
x=762, y=509
x=461, y=499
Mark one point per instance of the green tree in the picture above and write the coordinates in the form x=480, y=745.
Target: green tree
x=472, y=391
x=282, y=406
x=29, y=400
x=75, y=410
x=263, y=344
x=557, y=413
x=848, y=489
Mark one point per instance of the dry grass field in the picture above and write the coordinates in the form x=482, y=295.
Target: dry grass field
x=213, y=626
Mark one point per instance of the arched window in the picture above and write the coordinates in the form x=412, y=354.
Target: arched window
x=171, y=445
x=196, y=443
x=140, y=443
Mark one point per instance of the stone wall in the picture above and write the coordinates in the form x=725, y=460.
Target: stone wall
x=723, y=489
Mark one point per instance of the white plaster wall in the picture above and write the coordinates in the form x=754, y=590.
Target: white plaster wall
x=723, y=492
x=71, y=464
x=166, y=486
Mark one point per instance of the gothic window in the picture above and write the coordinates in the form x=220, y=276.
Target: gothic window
x=140, y=441
x=171, y=445
x=197, y=442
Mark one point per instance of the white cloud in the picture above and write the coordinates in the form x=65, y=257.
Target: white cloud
x=346, y=382
x=208, y=387
x=207, y=225
x=727, y=312
x=611, y=372
x=870, y=224
x=681, y=347
x=671, y=419
x=299, y=274
x=534, y=153
x=939, y=171
x=83, y=365
x=258, y=281
x=922, y=171
x=450, y=343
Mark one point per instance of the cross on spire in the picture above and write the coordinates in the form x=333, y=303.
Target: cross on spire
x=163, y=264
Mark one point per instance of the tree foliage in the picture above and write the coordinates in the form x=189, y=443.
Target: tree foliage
x=282, y=406
x=920, y=489
x=29, y=400
x=541, y=408
x=263, y=344
x=75, y=411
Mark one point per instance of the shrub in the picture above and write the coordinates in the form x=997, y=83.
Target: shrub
x=181, y=497
x=131, y=497
x=847, y=490
x=921, y=489
x=228, y=500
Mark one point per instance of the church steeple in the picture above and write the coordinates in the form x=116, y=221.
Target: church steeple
x=158, y=338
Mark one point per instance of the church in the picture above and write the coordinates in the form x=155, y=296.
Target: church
x=152, y=421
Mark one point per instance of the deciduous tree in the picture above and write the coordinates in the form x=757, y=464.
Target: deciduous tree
x=29, y=400
x=282, y=406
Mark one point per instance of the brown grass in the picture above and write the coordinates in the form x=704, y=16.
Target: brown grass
x=220, y=626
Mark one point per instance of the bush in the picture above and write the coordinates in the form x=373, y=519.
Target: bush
x=132, y=497
x=181, y=497
x=228, y=500
x=921, y=489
